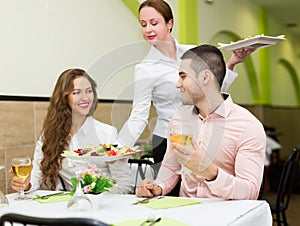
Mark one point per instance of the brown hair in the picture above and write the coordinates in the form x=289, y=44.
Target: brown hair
x=57, y=125
x=160, y=6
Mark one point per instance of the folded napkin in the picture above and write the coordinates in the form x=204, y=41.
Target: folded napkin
x=169, y=202
x=165, y=221
x=3, y=205
x=54, y=198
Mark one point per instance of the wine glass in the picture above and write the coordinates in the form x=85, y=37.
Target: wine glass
x=182, y=134
x=3, y=199
x=21, y=168
x=80, y=202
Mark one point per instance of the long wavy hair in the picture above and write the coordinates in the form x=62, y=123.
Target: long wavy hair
x=57, y=125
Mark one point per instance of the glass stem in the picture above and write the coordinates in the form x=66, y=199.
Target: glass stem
x=79, y=190
x=21, y=193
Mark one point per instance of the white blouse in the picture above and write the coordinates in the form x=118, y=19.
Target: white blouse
x=155, y=81
x=91, y=132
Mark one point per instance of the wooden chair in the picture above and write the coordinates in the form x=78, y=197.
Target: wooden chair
x=286, y=185
x=30, y=220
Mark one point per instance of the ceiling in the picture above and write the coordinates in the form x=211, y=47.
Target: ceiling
x=285, y=12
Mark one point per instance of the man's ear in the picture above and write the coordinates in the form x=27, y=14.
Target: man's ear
x=206, y=76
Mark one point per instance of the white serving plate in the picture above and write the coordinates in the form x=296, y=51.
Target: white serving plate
x=258, y=41
x=100, y=158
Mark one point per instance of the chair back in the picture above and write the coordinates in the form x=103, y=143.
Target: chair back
x=287, y=180
x=30, y=220
x=143, y=168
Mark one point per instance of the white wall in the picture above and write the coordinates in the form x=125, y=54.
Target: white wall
x=242, y=19
x=41, y=38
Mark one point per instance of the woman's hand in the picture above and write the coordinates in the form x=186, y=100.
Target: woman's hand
x=18, y=184
x=238, y=56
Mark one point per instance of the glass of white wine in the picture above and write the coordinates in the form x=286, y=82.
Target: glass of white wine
x=181, y=134
x=21, y=168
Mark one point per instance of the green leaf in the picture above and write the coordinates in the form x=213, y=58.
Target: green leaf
x=87, y=179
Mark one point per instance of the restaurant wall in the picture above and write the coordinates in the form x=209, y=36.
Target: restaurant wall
x=243, y=19
x=282, y=83
x=41, y=38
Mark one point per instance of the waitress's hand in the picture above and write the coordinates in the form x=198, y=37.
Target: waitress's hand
x=238, y=56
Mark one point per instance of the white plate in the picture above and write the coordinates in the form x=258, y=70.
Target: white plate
x=258, y=41
x=97, y=159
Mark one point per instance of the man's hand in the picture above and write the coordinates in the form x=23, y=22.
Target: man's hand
x=239, y=56
x=148, y=188
x=194, y=158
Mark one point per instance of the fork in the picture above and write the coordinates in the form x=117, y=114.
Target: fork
x=48, y=196
x=152, y=221
x=147, y=200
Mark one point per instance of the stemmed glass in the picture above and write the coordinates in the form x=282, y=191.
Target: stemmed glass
x=3, y=199
x=182, y=134
x=80, y=202
x=21, y=168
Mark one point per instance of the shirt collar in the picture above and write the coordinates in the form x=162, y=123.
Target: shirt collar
x=154, y=55
x=223, y=110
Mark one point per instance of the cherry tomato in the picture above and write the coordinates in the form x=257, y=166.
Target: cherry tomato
x=111, y=153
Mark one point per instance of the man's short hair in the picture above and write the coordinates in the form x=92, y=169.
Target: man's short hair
x=207, y=57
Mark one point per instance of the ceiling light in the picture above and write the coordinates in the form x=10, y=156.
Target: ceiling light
x=209, y=1
x=291, y=25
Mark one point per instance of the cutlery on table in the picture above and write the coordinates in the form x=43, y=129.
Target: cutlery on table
x=152, y=221
x=48, y=196
x=147, y=200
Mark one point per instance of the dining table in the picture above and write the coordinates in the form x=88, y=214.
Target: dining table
x=128, y=209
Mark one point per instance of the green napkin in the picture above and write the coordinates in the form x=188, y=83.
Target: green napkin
x=165, y=221
x=52, y=199
x=169, y=202
x=3, y=205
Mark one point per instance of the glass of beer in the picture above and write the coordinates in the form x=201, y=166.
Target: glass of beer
x=21, y=168
x=181, y=134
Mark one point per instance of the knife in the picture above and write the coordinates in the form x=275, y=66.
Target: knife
x=50, y=195
x=146, y=200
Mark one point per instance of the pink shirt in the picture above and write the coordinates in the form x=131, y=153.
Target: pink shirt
x=235, y=140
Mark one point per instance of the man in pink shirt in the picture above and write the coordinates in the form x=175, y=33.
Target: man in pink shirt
x=226, y=156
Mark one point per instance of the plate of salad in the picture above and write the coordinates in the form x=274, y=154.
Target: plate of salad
x=257, y=41
x=101, y=153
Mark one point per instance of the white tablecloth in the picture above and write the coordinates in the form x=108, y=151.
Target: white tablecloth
x=270, y=146
x=112, y=208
